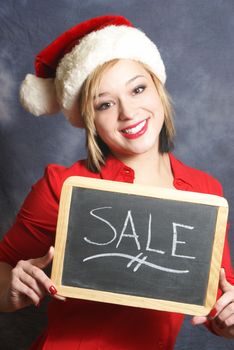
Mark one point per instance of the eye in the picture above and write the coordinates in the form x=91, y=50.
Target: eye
x=103, y=106
x=139, y=89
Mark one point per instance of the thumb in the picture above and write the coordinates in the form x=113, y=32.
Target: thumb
x=223, y=283
x=44, y=261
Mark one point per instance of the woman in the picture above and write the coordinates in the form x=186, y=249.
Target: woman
x=108, y=77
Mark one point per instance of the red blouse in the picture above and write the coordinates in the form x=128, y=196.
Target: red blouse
x=86, y=325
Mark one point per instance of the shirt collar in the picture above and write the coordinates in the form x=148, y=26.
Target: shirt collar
x=116, y=170
x=182, y=174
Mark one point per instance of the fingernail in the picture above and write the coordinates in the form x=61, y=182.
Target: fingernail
x=213, y=313
x=38, y=304
x=52, y=290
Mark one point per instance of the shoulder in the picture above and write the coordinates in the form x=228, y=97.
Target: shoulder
x=47, y=190
x=55, y=175
x=198, y=180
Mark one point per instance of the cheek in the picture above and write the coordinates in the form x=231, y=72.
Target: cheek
x=158, y=109
x=158, y=113
x=99, y=123
x=153, y=103
x=105, y=123
x=103, y=129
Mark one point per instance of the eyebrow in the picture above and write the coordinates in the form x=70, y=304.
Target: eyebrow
x=127, y=83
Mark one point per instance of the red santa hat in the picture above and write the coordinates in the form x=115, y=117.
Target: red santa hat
x=63, y=66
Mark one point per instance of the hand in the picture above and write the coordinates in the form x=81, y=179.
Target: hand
x=222, y=319
x=29, y=283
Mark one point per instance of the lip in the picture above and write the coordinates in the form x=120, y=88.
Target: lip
x=138, y=133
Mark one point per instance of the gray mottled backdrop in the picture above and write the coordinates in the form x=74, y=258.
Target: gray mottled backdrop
x=196, y=42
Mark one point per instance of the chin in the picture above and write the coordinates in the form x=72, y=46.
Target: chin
x=145, y=148
x=138, y=148
x=140, y=151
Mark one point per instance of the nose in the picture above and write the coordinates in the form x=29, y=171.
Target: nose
x=127, y=110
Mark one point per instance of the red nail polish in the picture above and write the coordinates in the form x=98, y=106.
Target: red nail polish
x=52, y=290
x=213, y=313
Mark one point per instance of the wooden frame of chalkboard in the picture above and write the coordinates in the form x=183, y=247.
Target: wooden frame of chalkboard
x=139, y=246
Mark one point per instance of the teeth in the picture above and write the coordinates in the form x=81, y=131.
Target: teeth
x=135, y=129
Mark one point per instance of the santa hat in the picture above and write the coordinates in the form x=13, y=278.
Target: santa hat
x=62, y=67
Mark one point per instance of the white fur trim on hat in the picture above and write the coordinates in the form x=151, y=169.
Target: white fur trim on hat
x=95, y=49
x=38, y=95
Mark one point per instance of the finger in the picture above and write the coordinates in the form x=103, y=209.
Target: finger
x=224, y=285
x=43, y=261
x=21, y=292
x=226, y=299
x=41, y=278
x=222, y=329
x=216, y=327
x=196, y=320
x=21, y=273
x=229, y=322
x=59, y=297
x=32, y=283
x=225, y=314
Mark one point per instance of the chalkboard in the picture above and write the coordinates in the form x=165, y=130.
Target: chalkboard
x=139, y=245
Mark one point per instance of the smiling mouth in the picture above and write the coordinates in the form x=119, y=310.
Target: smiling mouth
x=134, y=130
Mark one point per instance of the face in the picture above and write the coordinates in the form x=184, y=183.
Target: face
x=128, y=111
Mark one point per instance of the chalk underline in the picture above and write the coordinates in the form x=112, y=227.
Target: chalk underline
x=137, y=259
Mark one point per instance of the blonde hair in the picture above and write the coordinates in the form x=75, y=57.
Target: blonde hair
x=97, y=149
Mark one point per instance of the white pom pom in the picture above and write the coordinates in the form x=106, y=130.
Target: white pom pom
x=38, y=95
